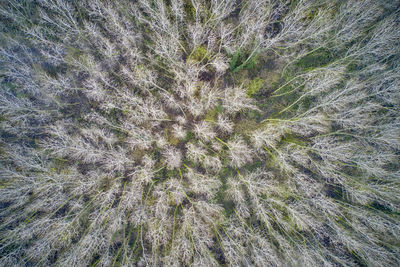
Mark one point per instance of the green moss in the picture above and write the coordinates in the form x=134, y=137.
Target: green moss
x=74, y=53
x=246, y=125
x=254, y=86
x=310, y=14
x=170, y=137
x=253, y=166
x=173, y=140
x=272, y=79
x=115, y=114
x=138, y=154
x=2, y=118
x=60, y=165
x=254, y=115
x=189, y=10
x=316, y=58
x=174, y=173
x=4, y=183
x=199, y=54
x=211, y=115
x=353, y=67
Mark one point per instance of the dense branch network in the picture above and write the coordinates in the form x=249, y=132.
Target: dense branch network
x=199, y=133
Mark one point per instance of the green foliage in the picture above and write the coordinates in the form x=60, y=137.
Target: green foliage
x=253, y=86
x=234, y=61
x=243, y=60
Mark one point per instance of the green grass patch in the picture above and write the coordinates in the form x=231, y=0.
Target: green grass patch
x=221, y=194
x=243, y=60
x=290, y=138
x=189, y=136
x=317, y=58
x=253, y=166
x=246, y=125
